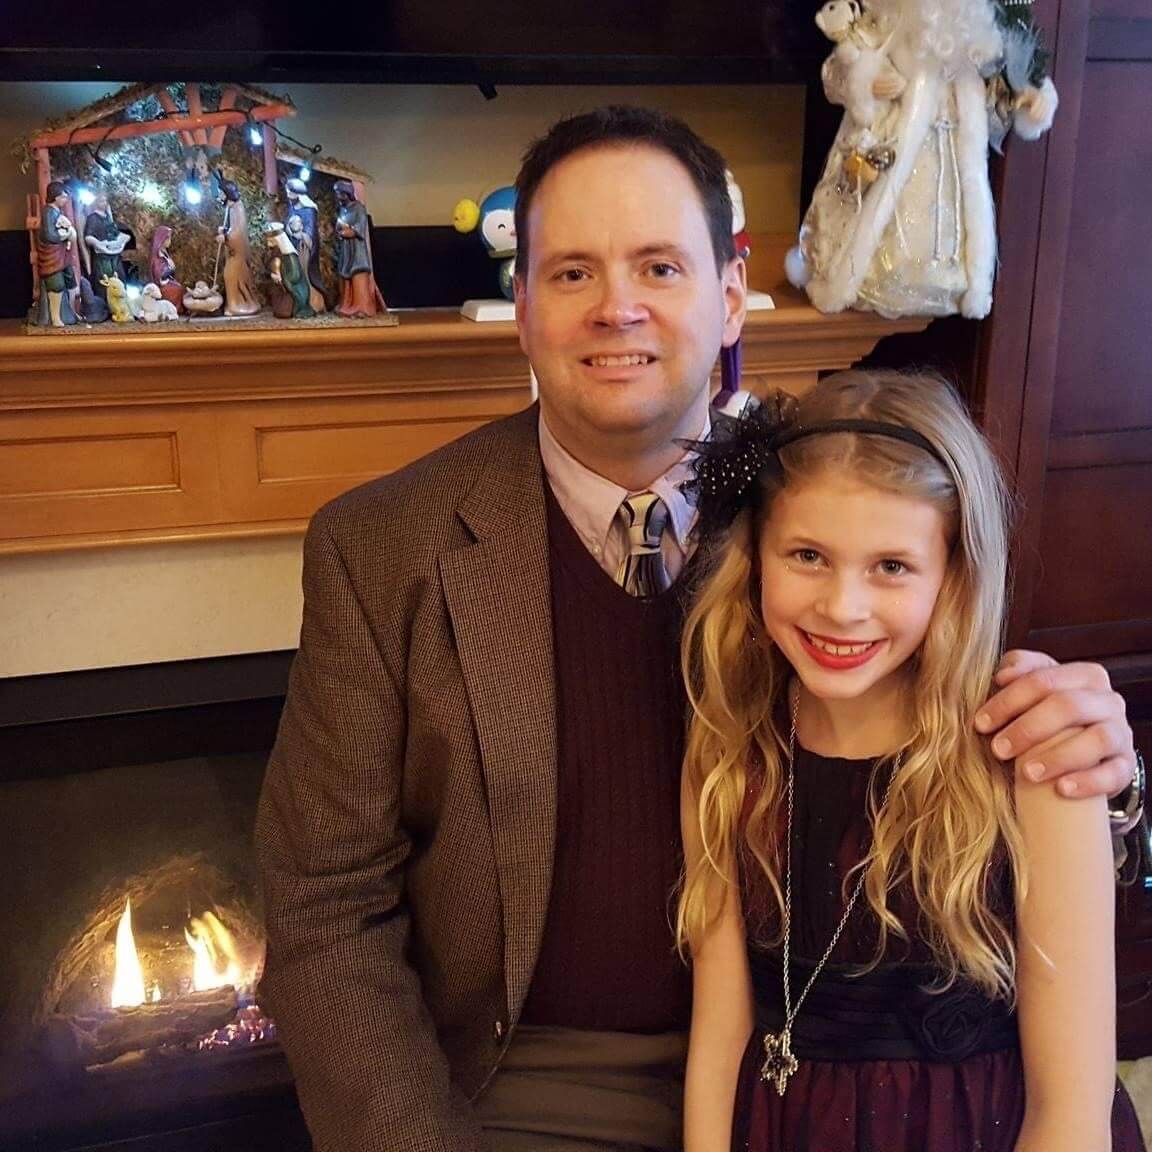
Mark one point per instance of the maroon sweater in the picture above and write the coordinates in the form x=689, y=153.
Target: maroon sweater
x=608, y=957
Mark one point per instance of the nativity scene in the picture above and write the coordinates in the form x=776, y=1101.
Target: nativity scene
x=188, y=203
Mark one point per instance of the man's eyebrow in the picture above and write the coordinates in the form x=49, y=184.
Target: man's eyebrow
x=571, y=255
x=664, y=248
x=582, y=256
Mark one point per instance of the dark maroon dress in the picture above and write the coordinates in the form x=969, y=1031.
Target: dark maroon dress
x=884, y=1065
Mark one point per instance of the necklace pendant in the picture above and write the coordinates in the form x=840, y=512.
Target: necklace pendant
x=779, y=1063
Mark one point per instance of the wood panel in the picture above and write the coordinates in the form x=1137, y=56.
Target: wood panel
x=1121, y=9
x=1128, y=446
x=1083, y=397
x=89, y=465
x=998, y=393
x=135, y=436
x=1094, y=545
x=84, y=471
x=1064, y=385
x=1103, y=371
x=1133, y=983
x=280, y=460
x=1027, y=386
x=1085, y=591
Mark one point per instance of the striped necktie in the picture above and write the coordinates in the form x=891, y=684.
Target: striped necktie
x=642, y=572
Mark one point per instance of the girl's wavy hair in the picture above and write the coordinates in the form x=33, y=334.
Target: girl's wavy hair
x=949, y=826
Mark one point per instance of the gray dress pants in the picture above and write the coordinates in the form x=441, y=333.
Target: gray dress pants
x=569, y=1090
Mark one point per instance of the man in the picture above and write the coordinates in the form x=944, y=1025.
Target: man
x=469, y=829
x=358, y=291
x=105, y=242
x=53, y=247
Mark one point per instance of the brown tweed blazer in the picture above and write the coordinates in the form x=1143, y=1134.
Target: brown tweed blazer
x=406, y=829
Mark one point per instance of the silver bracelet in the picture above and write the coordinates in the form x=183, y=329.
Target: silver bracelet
x=1126, y=808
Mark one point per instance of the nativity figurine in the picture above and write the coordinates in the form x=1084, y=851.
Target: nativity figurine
x=289, y=277
x=53, y=244
x=359, y=295
x=240, y=296
x=104, y=243
x=303, y=227
x=162, y=268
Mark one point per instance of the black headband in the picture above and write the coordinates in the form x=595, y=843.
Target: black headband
x=740, y=450
x=866, y=427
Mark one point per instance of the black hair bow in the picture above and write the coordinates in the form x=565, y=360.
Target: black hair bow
x=728, y=466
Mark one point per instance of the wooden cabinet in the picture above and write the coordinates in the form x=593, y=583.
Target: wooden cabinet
x=1064, y=383
x=135, y=435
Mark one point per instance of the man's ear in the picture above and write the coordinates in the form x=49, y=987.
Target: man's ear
x=734, y=279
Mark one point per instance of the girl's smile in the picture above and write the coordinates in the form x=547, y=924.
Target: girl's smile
x=841, y=654
x=849, y=576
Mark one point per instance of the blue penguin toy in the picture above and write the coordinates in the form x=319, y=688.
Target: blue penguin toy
x=494, y=216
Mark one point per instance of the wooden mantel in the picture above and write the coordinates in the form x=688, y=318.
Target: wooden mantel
x=135, y=436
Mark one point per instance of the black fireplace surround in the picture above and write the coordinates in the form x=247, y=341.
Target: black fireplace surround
x=137, y=786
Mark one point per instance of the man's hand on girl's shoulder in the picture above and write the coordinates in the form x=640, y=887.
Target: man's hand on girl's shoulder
x=1038, y=700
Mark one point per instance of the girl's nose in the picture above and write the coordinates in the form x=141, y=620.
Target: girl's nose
x=846, y=600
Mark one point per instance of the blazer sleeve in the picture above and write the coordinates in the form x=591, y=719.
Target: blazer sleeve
x=331, y=851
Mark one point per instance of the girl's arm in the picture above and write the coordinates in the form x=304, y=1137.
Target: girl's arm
x=722, y=1014
x=1066, y=977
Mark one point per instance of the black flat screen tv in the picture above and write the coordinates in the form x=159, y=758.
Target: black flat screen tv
x=482, y=42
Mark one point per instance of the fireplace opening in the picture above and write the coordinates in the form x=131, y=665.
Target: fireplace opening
x=131, y=948
x=164, y=969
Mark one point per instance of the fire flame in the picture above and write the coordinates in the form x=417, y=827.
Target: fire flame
x=128, y=980
x=216, y=960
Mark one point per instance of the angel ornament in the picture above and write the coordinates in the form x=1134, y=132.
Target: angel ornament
x=902, y=221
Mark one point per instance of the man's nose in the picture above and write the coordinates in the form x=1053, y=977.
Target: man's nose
x=619, y=303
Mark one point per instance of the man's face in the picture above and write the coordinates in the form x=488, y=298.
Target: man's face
x=621, y=310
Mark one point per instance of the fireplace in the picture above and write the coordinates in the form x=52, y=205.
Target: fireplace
x=130, y=927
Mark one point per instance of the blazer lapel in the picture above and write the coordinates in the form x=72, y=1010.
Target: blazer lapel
x=498, y=594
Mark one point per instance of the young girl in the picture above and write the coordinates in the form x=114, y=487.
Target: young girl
x=895, y=947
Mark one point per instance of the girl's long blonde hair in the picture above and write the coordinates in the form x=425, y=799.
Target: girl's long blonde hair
x=949, y=821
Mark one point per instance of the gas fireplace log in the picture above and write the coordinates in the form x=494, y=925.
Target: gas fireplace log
x=71, y=1043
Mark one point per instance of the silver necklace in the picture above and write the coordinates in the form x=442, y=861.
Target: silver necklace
x=779, y=1063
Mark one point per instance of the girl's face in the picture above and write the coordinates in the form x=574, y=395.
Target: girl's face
x=849, y=579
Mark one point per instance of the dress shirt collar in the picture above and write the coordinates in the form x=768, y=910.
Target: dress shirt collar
x=590, y=501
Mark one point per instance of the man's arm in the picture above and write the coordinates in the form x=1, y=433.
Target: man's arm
x=1038, y=700
x=369, y=1071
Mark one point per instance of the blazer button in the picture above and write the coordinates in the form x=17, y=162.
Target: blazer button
x=498, y=1031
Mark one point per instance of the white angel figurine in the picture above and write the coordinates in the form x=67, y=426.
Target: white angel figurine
x=902, y=221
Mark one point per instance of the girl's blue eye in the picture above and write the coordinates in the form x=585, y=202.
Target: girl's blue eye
x=893, y=567
x=807, y=555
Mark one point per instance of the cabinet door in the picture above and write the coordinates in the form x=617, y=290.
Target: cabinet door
x=1081, y=345
x=1064, y=386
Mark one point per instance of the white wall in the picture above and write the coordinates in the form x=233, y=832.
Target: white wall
x=66, y=611
x=428, y=146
